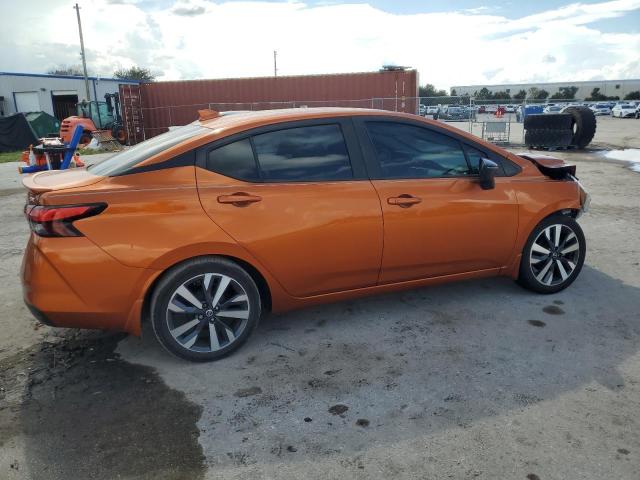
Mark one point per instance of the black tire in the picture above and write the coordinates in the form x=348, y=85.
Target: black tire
x=189, y=271
x=120, y=135
x=85, y=138
x=551, y=121
x=530, y=272
x=583, y=125
x=548, y=138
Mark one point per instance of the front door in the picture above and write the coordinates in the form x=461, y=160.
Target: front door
x=298, y=200
x=437, y=219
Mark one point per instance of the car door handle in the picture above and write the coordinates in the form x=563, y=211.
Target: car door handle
x=239, y=199
x=404, y=200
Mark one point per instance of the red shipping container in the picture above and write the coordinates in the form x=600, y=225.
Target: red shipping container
x=172, y=103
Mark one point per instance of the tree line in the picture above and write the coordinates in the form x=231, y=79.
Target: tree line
x=132, y=73
x=534, y=93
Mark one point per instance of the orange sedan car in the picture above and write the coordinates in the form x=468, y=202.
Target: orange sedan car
x=204, y=228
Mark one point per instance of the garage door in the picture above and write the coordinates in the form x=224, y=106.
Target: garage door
x=27, y=101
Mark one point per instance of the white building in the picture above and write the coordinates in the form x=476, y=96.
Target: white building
x=610, y=88
x=56, y=95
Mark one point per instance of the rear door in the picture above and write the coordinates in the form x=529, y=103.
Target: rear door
x=296, y=196
x=437, y=219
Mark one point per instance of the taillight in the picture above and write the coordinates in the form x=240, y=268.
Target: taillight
x=57, y=221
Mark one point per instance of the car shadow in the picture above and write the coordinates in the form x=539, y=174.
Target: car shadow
x=336, y=380
x=404, y=363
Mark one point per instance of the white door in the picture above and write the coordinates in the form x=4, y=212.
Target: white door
x=27, y=101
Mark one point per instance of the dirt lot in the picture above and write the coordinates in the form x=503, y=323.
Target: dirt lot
x=473, y=380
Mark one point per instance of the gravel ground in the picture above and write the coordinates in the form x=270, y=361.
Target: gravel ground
x=472, y=380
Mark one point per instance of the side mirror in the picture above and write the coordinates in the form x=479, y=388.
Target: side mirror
x=487, y=170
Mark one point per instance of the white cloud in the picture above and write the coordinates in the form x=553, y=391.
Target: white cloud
x=202, y=39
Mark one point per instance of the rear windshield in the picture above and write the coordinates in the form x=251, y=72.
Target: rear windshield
x=123, y=161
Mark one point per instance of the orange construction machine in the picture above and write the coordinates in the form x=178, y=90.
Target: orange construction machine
x=96, y=116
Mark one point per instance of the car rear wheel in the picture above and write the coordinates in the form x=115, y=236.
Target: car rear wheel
x=553, y=255
x=205, y=308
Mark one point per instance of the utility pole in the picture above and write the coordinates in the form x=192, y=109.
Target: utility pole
x=84, y=60
x=275, y=63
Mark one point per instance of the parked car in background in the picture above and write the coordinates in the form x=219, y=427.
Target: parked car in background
x=422, y=109
x=490, y=108
x=623, y=110
x=510, y=108
x=455, y=112
x=552, y=109
x=432, y=110
x=600, y=109
x=204, y=228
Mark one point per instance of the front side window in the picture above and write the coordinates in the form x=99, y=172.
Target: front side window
x=474, y=155
x=302, y=154
x=408, y=151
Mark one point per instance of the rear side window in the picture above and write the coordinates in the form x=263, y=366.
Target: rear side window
x=121, y=163
x=234, y=160
x=313, y=153
x=407, y=151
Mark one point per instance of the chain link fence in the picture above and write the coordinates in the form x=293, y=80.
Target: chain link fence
x=467, y=113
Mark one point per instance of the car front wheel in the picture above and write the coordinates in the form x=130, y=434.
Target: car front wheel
x=553, y=255
x=205, y=308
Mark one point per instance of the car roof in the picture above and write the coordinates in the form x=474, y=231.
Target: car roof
x=249, y=119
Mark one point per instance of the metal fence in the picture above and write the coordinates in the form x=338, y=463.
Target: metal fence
x=466, y=113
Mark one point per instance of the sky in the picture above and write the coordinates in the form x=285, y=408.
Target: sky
x=448, y=42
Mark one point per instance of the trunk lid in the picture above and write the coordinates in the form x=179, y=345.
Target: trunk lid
x=51, y=180
x=552, y=167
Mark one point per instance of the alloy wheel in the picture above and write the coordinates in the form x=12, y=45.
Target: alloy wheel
x=554, y=255
x=208, y=312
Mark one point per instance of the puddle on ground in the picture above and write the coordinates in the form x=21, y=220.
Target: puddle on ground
x=630, y=155
x=86, y=413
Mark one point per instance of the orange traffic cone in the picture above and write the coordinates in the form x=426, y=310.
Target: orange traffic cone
x=77, y=161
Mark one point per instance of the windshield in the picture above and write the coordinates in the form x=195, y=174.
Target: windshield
x=98, y=112
x=129, y=158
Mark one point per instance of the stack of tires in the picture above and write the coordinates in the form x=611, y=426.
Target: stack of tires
x=574, y=127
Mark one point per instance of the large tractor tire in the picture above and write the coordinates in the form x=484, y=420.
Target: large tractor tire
x=548, y=138
x=583, y=125
x=555, y=121
x=120, y=135
x=85, y=138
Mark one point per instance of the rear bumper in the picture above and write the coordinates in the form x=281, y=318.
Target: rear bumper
x=41, y=317
x=70, y=282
